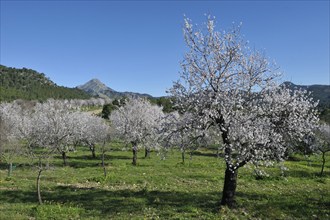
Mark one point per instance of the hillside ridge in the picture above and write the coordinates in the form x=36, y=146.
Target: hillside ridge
x=29, y=84
x=318, y=92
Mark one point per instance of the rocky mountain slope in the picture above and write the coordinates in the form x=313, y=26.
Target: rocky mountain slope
x=95, y=87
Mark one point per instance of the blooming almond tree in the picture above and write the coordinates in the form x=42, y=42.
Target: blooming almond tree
x=10, y=147
x=55, y=126
x=28, y=127
x=89, y=130
x=138, y=122
x=232, y=88
x=45, y=128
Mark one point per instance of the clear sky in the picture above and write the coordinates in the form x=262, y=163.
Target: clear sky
x=138, y=45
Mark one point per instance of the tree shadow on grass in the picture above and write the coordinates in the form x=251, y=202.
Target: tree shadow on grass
x=71, y=162
x=108, y=203
x=305, y=173
x=134, y=201
x=107, y=156
x=119, y=157
x=293, y=206
x=4, y=166
x=318, y=165
x=204, y=154
x=18, y=196
x=88, y=161
x=85, y=161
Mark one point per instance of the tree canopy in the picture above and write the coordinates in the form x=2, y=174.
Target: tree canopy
x=235, y=90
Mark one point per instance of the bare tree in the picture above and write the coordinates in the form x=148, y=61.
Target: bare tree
x=321, y=143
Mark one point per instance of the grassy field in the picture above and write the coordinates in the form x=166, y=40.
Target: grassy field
x=161, y=189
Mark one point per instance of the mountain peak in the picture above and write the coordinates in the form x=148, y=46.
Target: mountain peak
x=94, y=81
x=95, y=87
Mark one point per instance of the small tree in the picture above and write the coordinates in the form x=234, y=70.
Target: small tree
x=56, y=126
x=17, y=129
x=90, y=130
x=10, y=146
x=322, y=143
x=28, y=128
x=43, y=156
x=183, y=132
x=138, y=123
x=226, y=85
x=46, y=128
x=107, y=109
x=94, y=130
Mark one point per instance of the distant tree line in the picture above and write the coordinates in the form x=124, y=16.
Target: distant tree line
x=165, y=102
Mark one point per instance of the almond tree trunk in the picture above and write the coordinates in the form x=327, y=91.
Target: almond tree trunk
x=323, y=163
x=147, y=152
x=92, y=147
x=64, y=158
x=229, y=188
x=38, y=186
x=134, y=148
x=10, y=169
x=103, y=164
x=104, y=171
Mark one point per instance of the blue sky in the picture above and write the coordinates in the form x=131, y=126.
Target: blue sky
x=138, y=45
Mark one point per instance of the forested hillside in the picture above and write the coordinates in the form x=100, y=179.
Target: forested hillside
x=319, y=92
x=31, y=85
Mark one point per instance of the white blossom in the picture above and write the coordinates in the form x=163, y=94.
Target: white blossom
x=138, y=122
x=227, y=86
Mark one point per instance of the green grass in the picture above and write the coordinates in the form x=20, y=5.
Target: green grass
x=161, y=189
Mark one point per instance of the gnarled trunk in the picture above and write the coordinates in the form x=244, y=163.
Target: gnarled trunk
x=134, y=148
x=92, y=147
x=229, y=188
x=10, y=169
x=64, y=158
x=147, y=152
